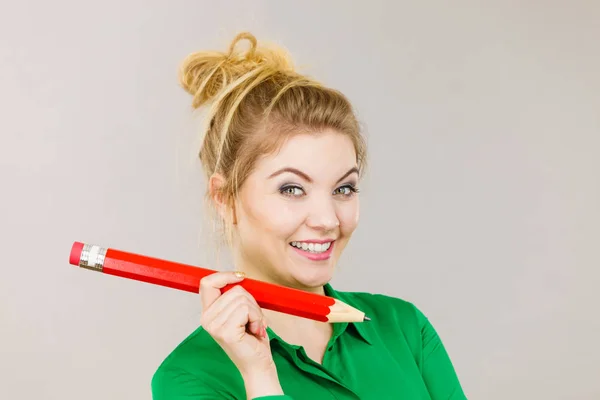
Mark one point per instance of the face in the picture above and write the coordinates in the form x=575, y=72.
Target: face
x=297, y=210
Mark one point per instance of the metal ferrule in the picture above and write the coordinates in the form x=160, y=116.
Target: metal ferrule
x=92, y=257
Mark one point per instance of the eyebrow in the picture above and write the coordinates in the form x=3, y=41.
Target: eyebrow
x=306, y=177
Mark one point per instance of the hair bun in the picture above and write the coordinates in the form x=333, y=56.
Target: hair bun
x=205, y=74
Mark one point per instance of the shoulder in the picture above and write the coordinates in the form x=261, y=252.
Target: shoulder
x=197, y=365
x=384, y=307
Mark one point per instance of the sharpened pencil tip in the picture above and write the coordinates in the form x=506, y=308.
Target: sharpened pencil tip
x=366, y=318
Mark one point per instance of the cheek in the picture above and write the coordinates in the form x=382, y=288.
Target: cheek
x=271, y=219
x=348, y=214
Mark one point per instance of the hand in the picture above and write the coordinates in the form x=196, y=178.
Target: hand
x=238, y=325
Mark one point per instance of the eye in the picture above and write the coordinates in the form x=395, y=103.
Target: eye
x=291, y=191
x=346, y=190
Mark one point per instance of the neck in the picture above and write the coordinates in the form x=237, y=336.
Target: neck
x=296, y=330
x=285, y=325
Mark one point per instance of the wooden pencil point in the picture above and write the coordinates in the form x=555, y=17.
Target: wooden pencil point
x=366, y=318
x=342, y=312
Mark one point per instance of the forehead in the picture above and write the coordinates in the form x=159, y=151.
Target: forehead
x=315, y=153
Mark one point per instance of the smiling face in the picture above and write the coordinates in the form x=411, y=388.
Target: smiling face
x=297, y=210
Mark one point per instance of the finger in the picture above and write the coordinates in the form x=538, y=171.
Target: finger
x=233, y=295
x=232, y=322
x=211, y=285
x=253, y=318
x=238, y=297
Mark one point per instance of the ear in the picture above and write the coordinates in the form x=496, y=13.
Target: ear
x=216, y=184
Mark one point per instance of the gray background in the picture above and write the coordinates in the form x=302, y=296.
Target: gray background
x=480, y=204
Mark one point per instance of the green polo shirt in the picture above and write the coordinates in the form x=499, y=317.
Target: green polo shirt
x=396, y=355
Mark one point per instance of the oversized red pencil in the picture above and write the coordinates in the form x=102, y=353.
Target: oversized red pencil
x=187, y=278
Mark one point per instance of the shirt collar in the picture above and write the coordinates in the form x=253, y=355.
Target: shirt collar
x=360, y=328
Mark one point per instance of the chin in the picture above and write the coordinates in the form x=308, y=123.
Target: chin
x=313, y=277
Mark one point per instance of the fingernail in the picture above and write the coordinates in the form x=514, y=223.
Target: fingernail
x=240, y=274
x=264, y=332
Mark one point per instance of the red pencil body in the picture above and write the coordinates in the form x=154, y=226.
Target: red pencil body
x=187, y=278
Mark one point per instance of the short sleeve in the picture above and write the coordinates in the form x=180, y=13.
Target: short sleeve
x=438, y=372
x=177, y=384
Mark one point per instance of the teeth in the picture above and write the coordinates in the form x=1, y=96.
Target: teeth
x=312, y=247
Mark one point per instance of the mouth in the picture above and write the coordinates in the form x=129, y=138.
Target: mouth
x=314, y=250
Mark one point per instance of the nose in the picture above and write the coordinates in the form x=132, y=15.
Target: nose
x=322, y=215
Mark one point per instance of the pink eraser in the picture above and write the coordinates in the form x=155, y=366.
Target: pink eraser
x=75, y=255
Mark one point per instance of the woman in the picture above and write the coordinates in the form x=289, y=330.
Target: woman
x=283, y=156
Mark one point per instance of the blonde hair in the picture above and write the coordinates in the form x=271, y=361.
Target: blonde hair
x=258, y=100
